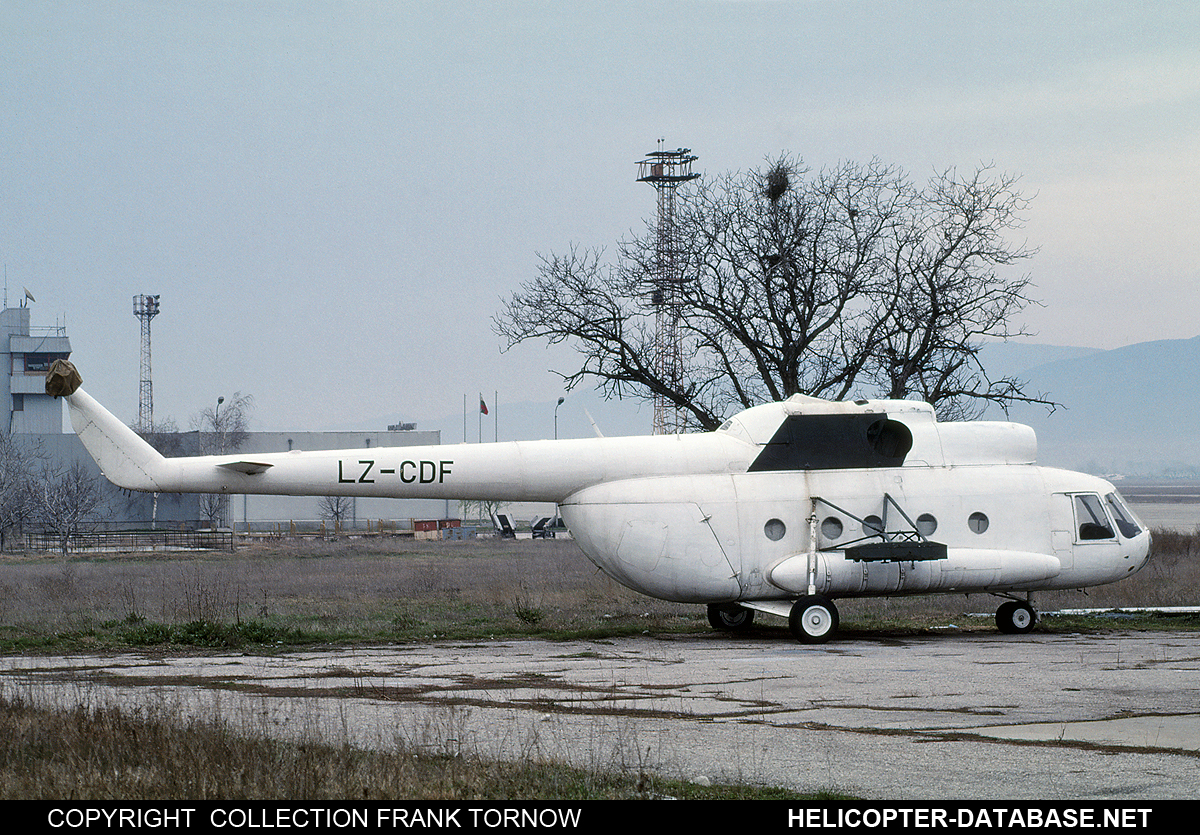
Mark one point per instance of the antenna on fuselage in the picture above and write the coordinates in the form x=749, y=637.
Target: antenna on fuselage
x=592, y=421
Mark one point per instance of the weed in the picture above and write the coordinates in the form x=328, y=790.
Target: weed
x=148, y=635
x=105, y=751
x=525, y=609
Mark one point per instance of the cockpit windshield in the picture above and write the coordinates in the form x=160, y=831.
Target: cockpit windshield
x=1127, y=523
x=1094, y=517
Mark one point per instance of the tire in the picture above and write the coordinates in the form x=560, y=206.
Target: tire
x=1015, y=618
x=813, y=619
x=729, y=617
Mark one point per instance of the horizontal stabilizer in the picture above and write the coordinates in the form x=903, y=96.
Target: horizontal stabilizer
x=247, y=467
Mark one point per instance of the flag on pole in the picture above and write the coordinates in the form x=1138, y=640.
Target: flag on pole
x=482, y=407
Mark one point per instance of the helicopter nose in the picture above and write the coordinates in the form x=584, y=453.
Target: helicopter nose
x=1140, y=552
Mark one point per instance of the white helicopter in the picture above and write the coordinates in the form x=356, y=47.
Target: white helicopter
x=785, y=508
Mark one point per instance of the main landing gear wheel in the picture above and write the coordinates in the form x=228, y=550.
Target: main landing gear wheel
x=729, y=617
x=1015, y=617
x=813, y=619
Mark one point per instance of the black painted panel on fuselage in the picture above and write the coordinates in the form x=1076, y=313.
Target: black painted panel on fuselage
x=835, y=442
x=903, y=551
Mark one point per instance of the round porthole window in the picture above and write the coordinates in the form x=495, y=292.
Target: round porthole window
x=926, y=524
x=977, y=522
x=831, y=528
x=872, y=526
x=774, y=529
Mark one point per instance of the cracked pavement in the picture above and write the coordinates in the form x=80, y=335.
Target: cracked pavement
x=948, y=716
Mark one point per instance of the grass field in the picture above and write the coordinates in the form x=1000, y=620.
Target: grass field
x=381, y=590
x=321, y=592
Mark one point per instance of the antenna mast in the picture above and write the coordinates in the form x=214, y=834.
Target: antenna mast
x=665, y=170
x=145, y=308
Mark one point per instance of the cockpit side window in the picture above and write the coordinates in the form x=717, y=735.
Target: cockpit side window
x=1091, y=519
x=1127, y=523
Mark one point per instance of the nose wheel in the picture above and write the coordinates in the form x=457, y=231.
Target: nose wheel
x=813, y=619
x=1015, y=617
x=729, y=617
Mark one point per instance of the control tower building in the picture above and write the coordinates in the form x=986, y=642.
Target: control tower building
x=25, y=357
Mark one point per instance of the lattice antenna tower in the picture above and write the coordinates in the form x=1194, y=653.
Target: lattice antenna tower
x=145, y=308
x=665, y=170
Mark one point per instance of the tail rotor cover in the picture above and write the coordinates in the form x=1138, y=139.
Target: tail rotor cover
x=62, y=379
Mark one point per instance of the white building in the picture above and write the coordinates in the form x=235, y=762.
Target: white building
x=25, y=359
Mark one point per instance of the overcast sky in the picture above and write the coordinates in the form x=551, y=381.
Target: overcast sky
x=332, y=198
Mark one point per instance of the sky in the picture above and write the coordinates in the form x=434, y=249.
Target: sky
x=333, y=199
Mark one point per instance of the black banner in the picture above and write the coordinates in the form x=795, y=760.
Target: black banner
x=279, y=817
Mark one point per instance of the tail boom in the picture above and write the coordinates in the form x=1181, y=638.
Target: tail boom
x=124, y=457
x=523, y=471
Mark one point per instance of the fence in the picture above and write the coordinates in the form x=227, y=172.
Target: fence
x=155, y=540
x=181, y=539
x=309, y=528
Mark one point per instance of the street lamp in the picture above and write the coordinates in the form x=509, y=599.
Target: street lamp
x=561, y=400
x=222, y=499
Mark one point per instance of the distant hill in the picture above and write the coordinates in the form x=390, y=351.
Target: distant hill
x=1132, y=410
x=1015, y=358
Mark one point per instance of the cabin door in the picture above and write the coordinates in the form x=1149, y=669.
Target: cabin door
x=1062, y=530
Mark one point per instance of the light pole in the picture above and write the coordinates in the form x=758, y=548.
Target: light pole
x=556, y=405
x=223, y=504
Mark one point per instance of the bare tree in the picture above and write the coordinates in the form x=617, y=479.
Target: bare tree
x=221, y=429
x=224, y=427
x=949, y=296
x=16, y=484
x=164, y=437
x=66, y=502
x=335, y=508
x=214, y=508
x=848, y=282
x=481, y=510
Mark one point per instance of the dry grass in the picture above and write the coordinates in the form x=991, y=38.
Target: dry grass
x=295, y=592
x=397, y=590
x=92, y=752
